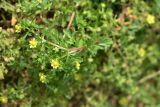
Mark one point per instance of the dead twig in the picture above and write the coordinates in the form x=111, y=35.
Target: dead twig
x=71, y=20
x=70, y=50
x=55, y=45
x=73, y=15
x=148, y=77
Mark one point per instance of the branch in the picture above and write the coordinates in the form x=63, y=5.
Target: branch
x=71, y=20
x=148, y=77
x=70, y=50
x=53, y=44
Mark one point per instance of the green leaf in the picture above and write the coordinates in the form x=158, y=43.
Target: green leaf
x=2, y=71
x=1, y=74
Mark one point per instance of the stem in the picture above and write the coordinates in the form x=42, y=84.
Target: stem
x=53, y=44
x=71, y=20
x=150, y=76
x=71, y=50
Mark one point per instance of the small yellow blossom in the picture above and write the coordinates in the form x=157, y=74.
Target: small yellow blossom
x=55, y=63
x=103, y=5
x=150, y=19
x=129, y=11
x=77, y=65
x=3, y=99
x=18, y=28
x=42, y=77
x=33, y=43
x=90, y=59
x=123, y=101
x=40, y=1
x=0, y=29
x=77, y=77
x=141, y=52
x=56, y=49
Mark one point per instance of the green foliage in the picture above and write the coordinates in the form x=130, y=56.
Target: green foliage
x=79, y=53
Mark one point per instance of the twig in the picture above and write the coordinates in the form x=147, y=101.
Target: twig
x=150, y=76
x=74, y=50
x=70, y=50
x=71, y=20
x=73, y=15
x=53, y=44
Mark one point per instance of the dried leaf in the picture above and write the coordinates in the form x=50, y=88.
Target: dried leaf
x=13, y=21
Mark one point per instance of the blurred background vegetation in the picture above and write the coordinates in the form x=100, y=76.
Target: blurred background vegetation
x=125, y=74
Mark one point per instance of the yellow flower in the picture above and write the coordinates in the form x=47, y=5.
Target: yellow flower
x=0, y=29
x=33, y=43
x=90, y=59
x=3, y=99
x=150, y=19
x=123, y=101
x=18, y=28
x=55, y=63
x=56, y=49
x=77, y=65
x=141, y=52
x=42, y=77
x=103, y=5
x=77, y=77
x=129, y=11
x=40, y=1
